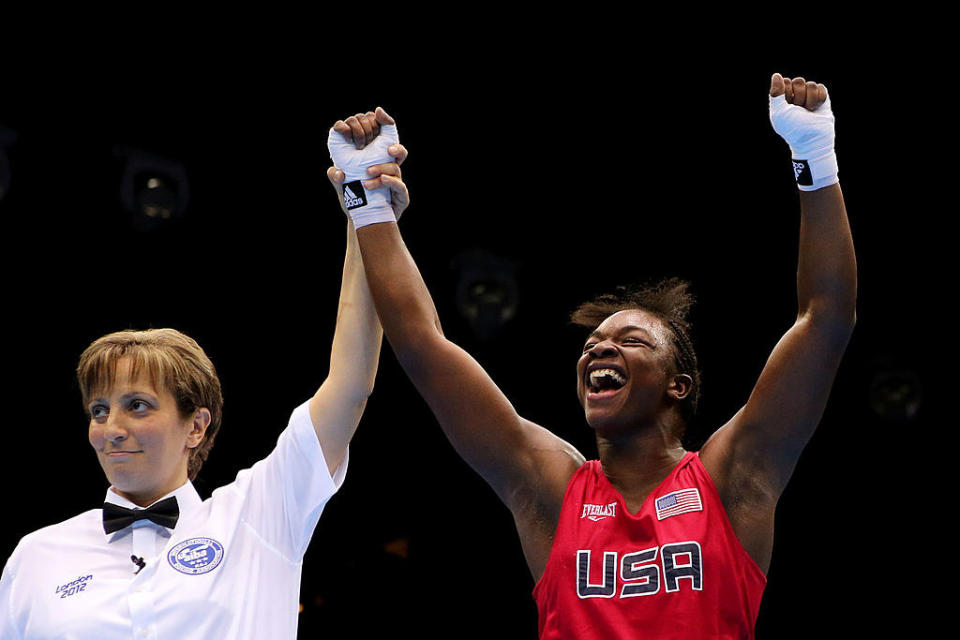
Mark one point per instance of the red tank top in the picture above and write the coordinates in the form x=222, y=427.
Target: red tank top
x=675, y=570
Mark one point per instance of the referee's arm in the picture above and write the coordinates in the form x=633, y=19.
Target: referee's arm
x=337, y=406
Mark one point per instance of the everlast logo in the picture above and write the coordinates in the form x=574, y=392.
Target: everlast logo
x=353, y=195
x=599, y=511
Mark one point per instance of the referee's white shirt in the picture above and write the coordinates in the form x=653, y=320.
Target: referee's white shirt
x=230, y=568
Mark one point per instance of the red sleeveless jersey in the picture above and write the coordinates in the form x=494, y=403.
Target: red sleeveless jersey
x=675, y=570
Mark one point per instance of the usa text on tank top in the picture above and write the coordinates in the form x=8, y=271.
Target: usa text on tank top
x=673, y=570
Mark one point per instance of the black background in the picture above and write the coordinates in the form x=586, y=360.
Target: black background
x=589, y=156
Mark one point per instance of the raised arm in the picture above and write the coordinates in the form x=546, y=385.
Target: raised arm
x=755, y=453
x=337, y=406
x=516, y=457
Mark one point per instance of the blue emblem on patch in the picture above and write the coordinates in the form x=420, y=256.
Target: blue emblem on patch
x=196, y=556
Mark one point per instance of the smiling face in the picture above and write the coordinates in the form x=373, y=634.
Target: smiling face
x=627, y=373
x=140, y=438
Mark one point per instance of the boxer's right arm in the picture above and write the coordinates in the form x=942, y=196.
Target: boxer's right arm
x=515, y=456
x=512, y=454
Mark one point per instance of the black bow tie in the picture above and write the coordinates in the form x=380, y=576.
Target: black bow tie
x=164, y=513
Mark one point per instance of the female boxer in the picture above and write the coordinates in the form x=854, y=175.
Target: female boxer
x=650, y=540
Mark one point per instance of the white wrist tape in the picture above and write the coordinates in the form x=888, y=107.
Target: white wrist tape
x=810, y=135
x=364, y=206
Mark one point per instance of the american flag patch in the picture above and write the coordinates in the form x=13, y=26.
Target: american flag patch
x=683, y=501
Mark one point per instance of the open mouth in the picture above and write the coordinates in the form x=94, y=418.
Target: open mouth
x=605, y=382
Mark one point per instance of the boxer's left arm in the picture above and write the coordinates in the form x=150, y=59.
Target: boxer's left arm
x=761, y=444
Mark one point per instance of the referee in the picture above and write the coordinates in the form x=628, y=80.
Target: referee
x=157, y=561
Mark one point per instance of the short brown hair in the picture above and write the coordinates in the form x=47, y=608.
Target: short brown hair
x=170, y=359
x=669, y=300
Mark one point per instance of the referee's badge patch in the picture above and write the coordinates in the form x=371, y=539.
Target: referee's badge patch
x=683, y=501
x=196, y=556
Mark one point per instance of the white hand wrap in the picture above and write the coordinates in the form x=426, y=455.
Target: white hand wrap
x=810, y=136
x=364, y=207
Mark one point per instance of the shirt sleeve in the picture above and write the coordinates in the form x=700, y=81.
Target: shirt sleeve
x=285, y=493
x=8, y=630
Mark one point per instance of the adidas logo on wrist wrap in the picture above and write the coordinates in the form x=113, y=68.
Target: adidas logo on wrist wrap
x=353, y=195
x=801, y=171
